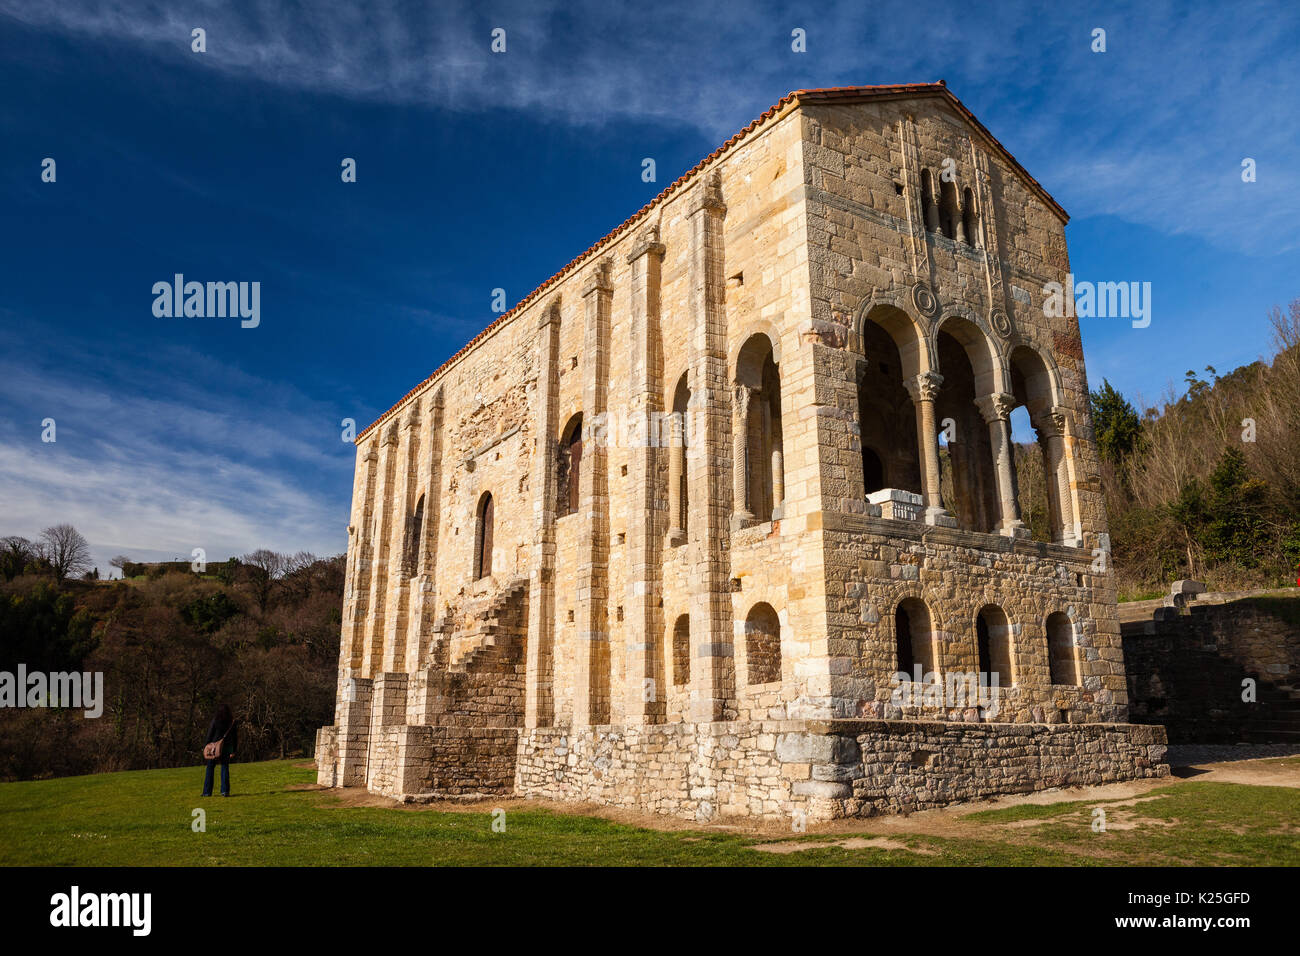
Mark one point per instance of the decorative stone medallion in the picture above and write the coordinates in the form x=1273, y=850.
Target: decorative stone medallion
x=924, y=300
x=1001, y=323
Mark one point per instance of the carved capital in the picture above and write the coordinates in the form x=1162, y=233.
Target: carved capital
x=647, y=244
x=1051, y=422
x=598, y=279
x=708, y=195
x=742, y=396
x=924, y=387
x=996, y=407
x=1060, y=417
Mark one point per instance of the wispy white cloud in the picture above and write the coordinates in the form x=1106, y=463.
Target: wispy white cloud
x=1152, y=131
x=156, y=476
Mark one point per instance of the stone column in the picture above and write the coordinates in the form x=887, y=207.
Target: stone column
x=710, y=499
x=539, y=699
x=1050, y=425
x=591, y=699
x=424, y=587
x=645, y=694
x=1065, y=495
x=403, y=498
x=932, y=209
x=384, y=506
x=356, y=602
x=743, y=514
x=924, y=389
x=996, y=410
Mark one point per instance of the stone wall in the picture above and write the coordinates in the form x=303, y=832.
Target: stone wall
x=1186, y=670
x=826, y=769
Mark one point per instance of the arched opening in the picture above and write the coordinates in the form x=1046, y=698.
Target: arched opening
x=929, y=207
x=967, y=476
x=948, y=217
x=411, y=539
x=1041, y=469
x=913, y=638
x=682, y=651
x=970, y=225
x=759, y=453
x=484, y=521
x=1061, y=654
x=763, y=644
x=568, y=478
x=993, y=637
x=886, y=412
x=678, y=439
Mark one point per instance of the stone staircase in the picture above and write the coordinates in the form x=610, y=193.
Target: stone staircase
x=504, y=620
x=476, y=672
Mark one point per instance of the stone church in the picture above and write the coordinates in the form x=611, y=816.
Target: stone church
x=724, y=518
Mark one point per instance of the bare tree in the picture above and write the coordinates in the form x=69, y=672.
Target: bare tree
x=67, y=551
x=263, y=568
x=15, y=552
x=120, y=562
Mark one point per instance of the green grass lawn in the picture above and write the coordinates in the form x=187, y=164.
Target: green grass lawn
x=144, y=818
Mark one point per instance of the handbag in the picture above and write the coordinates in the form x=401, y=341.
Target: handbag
x=212, y=751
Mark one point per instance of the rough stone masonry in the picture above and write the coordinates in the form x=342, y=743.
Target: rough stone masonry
x=671, y=533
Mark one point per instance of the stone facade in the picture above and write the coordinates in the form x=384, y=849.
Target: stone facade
x=1217, y=668
x=665, y=534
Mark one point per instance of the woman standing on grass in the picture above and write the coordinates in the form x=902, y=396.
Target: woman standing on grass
x=220, y=745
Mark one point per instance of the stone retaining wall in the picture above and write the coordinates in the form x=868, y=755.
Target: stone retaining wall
x=826, y=769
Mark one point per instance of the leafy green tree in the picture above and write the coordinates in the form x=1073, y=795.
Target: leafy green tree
x=1236, y=529
x=1115, y=422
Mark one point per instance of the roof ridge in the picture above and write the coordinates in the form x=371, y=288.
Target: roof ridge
x=829, y=92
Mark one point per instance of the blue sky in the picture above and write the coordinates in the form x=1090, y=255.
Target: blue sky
x=479, y=170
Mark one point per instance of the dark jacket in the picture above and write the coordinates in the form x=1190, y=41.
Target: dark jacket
x=215, y=733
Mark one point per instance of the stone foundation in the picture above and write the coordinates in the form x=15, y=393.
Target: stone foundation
x=414, y=763
x=826, y=769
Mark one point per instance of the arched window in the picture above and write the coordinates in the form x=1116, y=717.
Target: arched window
x=763, y=644
x=929, y=208
x=682, y=651
x=483, y=538
x=678, y=436
x=912, y=638
x=411, y=542
x=886, y=412
x=1042, y=475
x=569, y=470
x=970, y=225
x=1060, y=649
x=967, y=466
x=993, y=636
x=759, y=454
x=948, y=218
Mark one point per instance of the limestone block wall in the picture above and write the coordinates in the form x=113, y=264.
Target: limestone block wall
x=873, y=564
x=1186, y=671
x=869, y=245
x=825, y=769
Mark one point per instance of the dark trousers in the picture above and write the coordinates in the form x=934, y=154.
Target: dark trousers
x=225, y=777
